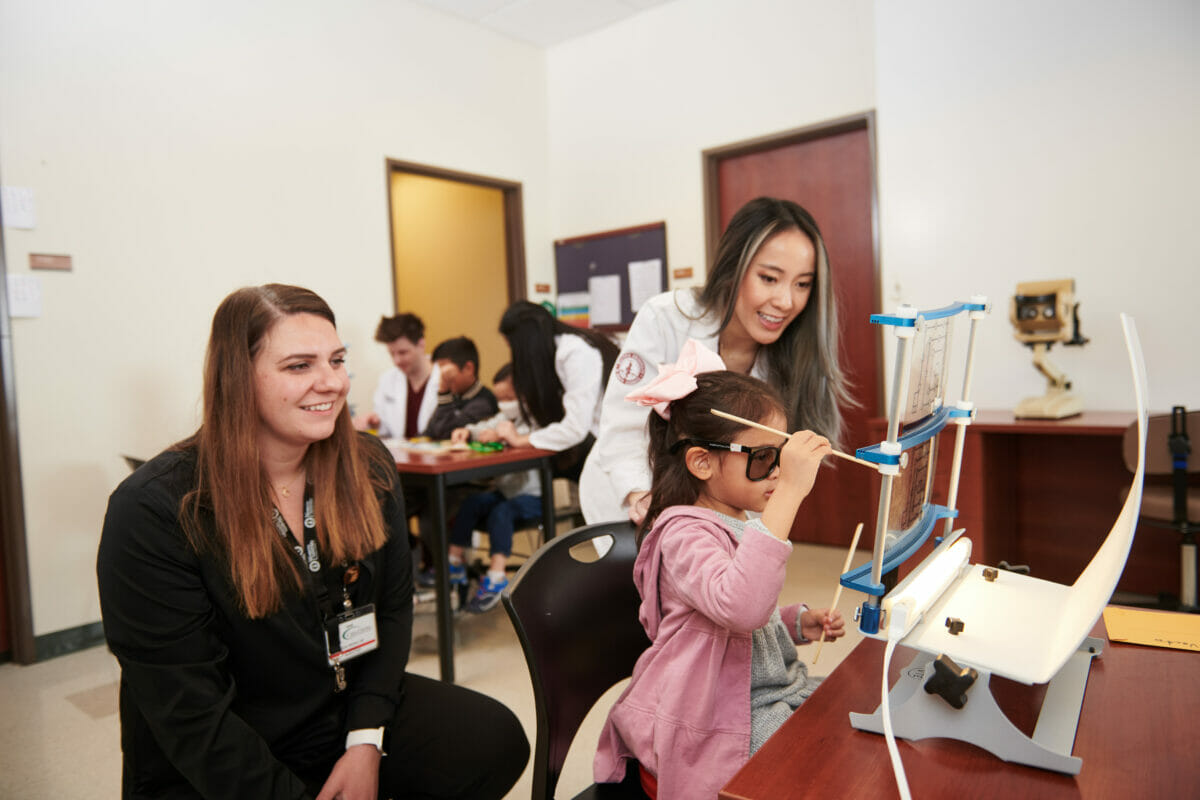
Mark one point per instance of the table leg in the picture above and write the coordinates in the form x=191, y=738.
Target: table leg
x=445, y=619
x=549, y=524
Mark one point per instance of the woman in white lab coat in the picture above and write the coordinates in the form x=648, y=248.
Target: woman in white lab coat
x=559, y=373
x=767, y=308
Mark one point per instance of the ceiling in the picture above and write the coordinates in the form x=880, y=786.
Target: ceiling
x=543, y=22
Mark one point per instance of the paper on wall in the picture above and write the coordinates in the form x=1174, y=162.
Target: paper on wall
x=645, y=281
x=606, y=299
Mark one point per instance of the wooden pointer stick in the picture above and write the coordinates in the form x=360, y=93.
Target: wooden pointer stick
x=837, y=595
x=768, y=429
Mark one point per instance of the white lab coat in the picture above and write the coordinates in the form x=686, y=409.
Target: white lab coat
x=580, y=369
x=391, y=402
x=618, y=463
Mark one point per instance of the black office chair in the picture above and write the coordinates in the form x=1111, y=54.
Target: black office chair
x=576, y=614
x=1170, y=503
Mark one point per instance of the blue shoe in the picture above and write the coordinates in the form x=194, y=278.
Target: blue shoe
x=427, y=578
x=487, y=596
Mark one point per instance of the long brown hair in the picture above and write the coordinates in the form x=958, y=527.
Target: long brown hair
x=231, y=483
x=672, y=484
x=803, y=361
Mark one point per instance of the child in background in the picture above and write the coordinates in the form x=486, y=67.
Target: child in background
x=462, y=399
x=721, y=673
x=517, y=496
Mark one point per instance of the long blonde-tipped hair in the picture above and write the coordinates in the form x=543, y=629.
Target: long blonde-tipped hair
x=803, y=361
x=229, y=509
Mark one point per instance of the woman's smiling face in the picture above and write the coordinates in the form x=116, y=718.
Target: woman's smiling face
x=300, y=381
x=775, y=288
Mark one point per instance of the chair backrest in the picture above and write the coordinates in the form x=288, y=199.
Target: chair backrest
x=578, y=625
x=1158, y=456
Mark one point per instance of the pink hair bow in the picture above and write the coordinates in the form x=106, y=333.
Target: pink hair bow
x=677, y=380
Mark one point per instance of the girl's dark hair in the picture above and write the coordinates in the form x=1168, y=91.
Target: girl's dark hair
x=691, y=418
x=530, y=330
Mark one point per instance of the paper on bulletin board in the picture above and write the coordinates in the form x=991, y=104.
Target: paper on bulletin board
x=1155, y=628
x=645, y=281
x=606, y=299
x=573, y=308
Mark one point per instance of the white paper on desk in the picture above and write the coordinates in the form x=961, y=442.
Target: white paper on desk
x=606, y=299
x=645, y=281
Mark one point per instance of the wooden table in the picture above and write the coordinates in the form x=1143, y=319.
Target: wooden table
x=1136, y=738
x=437, y=471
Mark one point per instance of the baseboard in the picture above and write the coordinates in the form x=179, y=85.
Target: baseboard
x=60, y=643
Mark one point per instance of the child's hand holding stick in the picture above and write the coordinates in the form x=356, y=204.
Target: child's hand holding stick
x=837, y=595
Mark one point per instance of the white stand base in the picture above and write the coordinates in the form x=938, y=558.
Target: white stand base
x=919, y=715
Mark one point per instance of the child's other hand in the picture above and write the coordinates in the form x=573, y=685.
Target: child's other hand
x=800, y=458
x=828, y=620
x=460, y=436
x=486, y=435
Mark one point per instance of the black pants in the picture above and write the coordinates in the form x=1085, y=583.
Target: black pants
x=448, y=742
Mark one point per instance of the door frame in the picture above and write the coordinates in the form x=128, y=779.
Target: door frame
x=12, y=505
x=710, y=165
x=514, y=223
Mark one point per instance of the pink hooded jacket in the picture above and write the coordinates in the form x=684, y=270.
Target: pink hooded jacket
x=686, y=713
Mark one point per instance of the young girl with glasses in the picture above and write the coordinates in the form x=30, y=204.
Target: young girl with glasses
x=721, y=674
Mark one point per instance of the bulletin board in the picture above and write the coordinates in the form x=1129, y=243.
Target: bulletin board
x=603, y=278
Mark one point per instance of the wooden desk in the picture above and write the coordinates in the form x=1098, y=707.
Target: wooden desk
x=1045, y=493
x=1136, y=738
x=435, y=472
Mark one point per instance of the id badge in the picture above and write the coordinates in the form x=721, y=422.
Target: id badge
x=349, y=635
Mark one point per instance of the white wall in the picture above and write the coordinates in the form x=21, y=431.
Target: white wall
x=180, y=150
x=633, y=106
x=1032, y=140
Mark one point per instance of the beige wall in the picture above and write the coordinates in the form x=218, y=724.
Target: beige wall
x=1018, y=141
x=450, y=262
x=180, y=150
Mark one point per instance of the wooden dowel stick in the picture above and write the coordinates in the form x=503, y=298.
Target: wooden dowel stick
x=786, y=435
x=837, y=595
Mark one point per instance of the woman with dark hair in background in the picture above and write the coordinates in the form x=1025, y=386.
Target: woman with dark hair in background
x=256, y=587
x=767, y=308
x=558, y=376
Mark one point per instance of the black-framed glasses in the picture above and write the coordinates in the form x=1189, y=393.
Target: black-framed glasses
x=760, y=461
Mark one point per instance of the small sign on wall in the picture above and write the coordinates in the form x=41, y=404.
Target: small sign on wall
x=47, y=261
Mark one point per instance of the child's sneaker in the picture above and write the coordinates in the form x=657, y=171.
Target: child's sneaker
x=427, y=578
x=487, y=596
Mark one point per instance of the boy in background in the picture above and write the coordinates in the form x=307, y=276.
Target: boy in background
x=462, y=399
x=516, y=497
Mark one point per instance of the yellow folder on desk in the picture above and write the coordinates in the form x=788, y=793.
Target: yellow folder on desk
x=1154, y=628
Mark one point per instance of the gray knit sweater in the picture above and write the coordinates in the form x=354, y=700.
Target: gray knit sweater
x=779, y=681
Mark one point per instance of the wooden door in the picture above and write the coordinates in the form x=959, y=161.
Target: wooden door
x=457, y=255
x=829, y=170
